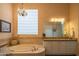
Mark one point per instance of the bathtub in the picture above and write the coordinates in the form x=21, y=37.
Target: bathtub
x=27, y=50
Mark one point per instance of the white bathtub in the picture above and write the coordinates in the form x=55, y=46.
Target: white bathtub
x=27, y=50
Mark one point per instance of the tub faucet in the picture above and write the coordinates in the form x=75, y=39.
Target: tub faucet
x=34, y=48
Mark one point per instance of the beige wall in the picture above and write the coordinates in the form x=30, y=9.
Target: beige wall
x=46, y=12
x=6, y=14
x=74, y=19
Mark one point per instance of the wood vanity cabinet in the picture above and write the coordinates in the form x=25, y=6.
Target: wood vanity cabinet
x=60, y=47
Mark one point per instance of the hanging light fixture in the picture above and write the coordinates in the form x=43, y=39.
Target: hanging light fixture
x=21, y=11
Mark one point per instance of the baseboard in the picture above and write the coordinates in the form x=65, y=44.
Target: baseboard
x=62, y=55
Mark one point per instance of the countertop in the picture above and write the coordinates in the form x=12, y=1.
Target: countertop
x=53, y=38
x=3, y=43
x=60, y=39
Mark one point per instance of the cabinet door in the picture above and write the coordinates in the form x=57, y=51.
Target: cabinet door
x=62, y=47
x=47, y=46
x=54, y=47
x=70, y=47
x=51, y=47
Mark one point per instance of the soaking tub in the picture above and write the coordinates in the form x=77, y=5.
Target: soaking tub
x=27, y=50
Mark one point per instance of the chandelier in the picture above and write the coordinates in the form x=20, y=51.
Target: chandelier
x=21, y=11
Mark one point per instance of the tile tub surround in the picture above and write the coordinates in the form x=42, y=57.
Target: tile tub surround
x=28, y=40
x=60, y=46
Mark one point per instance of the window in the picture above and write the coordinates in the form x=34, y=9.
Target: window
x=28, y=24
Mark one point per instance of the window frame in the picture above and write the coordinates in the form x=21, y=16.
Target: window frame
x=37, y=24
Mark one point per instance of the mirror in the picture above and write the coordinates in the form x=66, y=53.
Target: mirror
x=54, y=28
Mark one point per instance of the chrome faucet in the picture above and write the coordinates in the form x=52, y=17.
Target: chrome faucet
x=34, y=48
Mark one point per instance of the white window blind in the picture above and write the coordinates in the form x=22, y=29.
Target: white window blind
x=28, y=24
